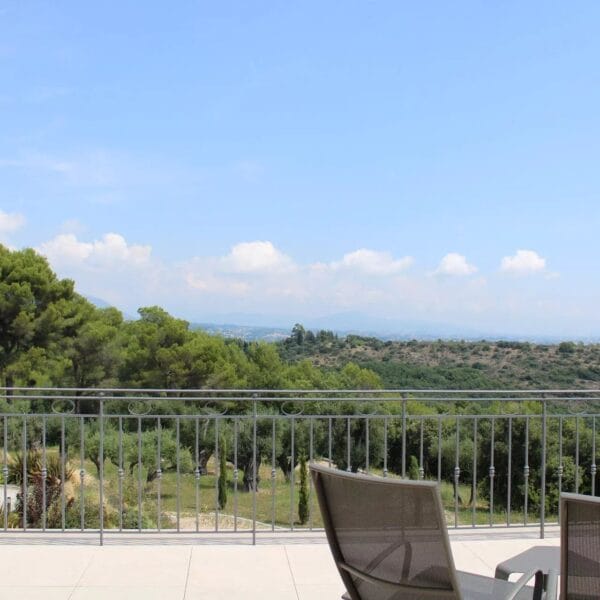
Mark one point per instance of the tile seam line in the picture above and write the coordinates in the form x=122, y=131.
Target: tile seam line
x=76, y=586
x=187, y=575
x=287, y=558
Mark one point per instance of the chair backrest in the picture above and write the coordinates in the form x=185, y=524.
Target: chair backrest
x=579, y=547
x=388, y=537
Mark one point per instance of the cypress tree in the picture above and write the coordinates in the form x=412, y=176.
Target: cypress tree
x=222, y=484
x=303, y=497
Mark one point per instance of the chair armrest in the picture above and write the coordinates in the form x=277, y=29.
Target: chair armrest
x=552, y=585
x=538, y=588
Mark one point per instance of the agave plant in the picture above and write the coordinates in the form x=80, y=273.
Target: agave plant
x=43, y=485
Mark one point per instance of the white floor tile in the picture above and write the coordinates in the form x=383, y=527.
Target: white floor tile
x=239, y=567
x=44, y=566
x=320, y=592
x=138, y=566
x=246, y=592
x=128, y=593
x=312, y=565
x=35, y=593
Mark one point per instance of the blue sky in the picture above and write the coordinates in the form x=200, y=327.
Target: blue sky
x=408, y=161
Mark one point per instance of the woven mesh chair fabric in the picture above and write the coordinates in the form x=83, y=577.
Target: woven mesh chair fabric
x=582, y=548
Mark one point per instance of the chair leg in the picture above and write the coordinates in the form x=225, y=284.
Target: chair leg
x=538, y=588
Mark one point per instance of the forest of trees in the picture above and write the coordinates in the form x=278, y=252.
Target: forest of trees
x=451, y=364
x=52, y=336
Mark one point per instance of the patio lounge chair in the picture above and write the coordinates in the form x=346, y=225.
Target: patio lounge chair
x=579, y=547
x=389, y=541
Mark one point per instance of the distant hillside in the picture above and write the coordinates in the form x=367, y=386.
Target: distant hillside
x=452, y=364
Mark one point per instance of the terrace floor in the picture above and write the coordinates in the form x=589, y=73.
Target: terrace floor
x=284, y=567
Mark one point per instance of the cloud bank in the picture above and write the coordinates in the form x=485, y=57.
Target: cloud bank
x=257, y=277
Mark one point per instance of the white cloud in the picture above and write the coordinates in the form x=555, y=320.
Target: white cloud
x=258, y=278
x=455, y=264
x=113, y=269
x=10, y=222
x=256, y=257
x=371, y=262
x=523, y=263
x=112, y=250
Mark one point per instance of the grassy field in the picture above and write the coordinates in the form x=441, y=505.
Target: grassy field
x=276, y=501
x=193, y=502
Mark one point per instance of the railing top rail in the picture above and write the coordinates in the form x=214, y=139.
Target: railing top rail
x=243, y=392
x=297, y=396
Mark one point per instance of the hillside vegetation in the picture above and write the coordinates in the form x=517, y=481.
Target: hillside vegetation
x=52, y=336
x=451, y=364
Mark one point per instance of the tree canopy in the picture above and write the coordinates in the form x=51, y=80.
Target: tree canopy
x=51, y=335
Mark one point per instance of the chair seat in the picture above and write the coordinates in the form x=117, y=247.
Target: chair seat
x=478, y=587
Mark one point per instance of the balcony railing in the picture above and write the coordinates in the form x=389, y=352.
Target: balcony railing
x=212, y=461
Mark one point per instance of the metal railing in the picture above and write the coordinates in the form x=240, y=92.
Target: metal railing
x=207, y=461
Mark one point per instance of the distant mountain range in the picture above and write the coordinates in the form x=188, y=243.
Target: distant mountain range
x=256, y=327
x=278, y=327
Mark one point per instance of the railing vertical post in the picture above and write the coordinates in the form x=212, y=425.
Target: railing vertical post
x=593, y=467
x=577, y=454
x=158, y=471
x=292, y=459
x=139, y=473
x=421, y=467
x=492, y=470
x=403, y=435
x=329, y=442
x=310, y=482
x=101, y=467
x=63, y=504
x=543, y=482
x=5, y=472
x=348, y=454
x=196, y=472
x=217, y=470
x=273, y=472
x=474, y=483
x=439, y=456
x=456, y=470
x=509, y=477
x=560, y=461
x=24, y=480
x=81, y=472
x=526, y=473
x=254, y=469
x=177, y=471
x=385, y=447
